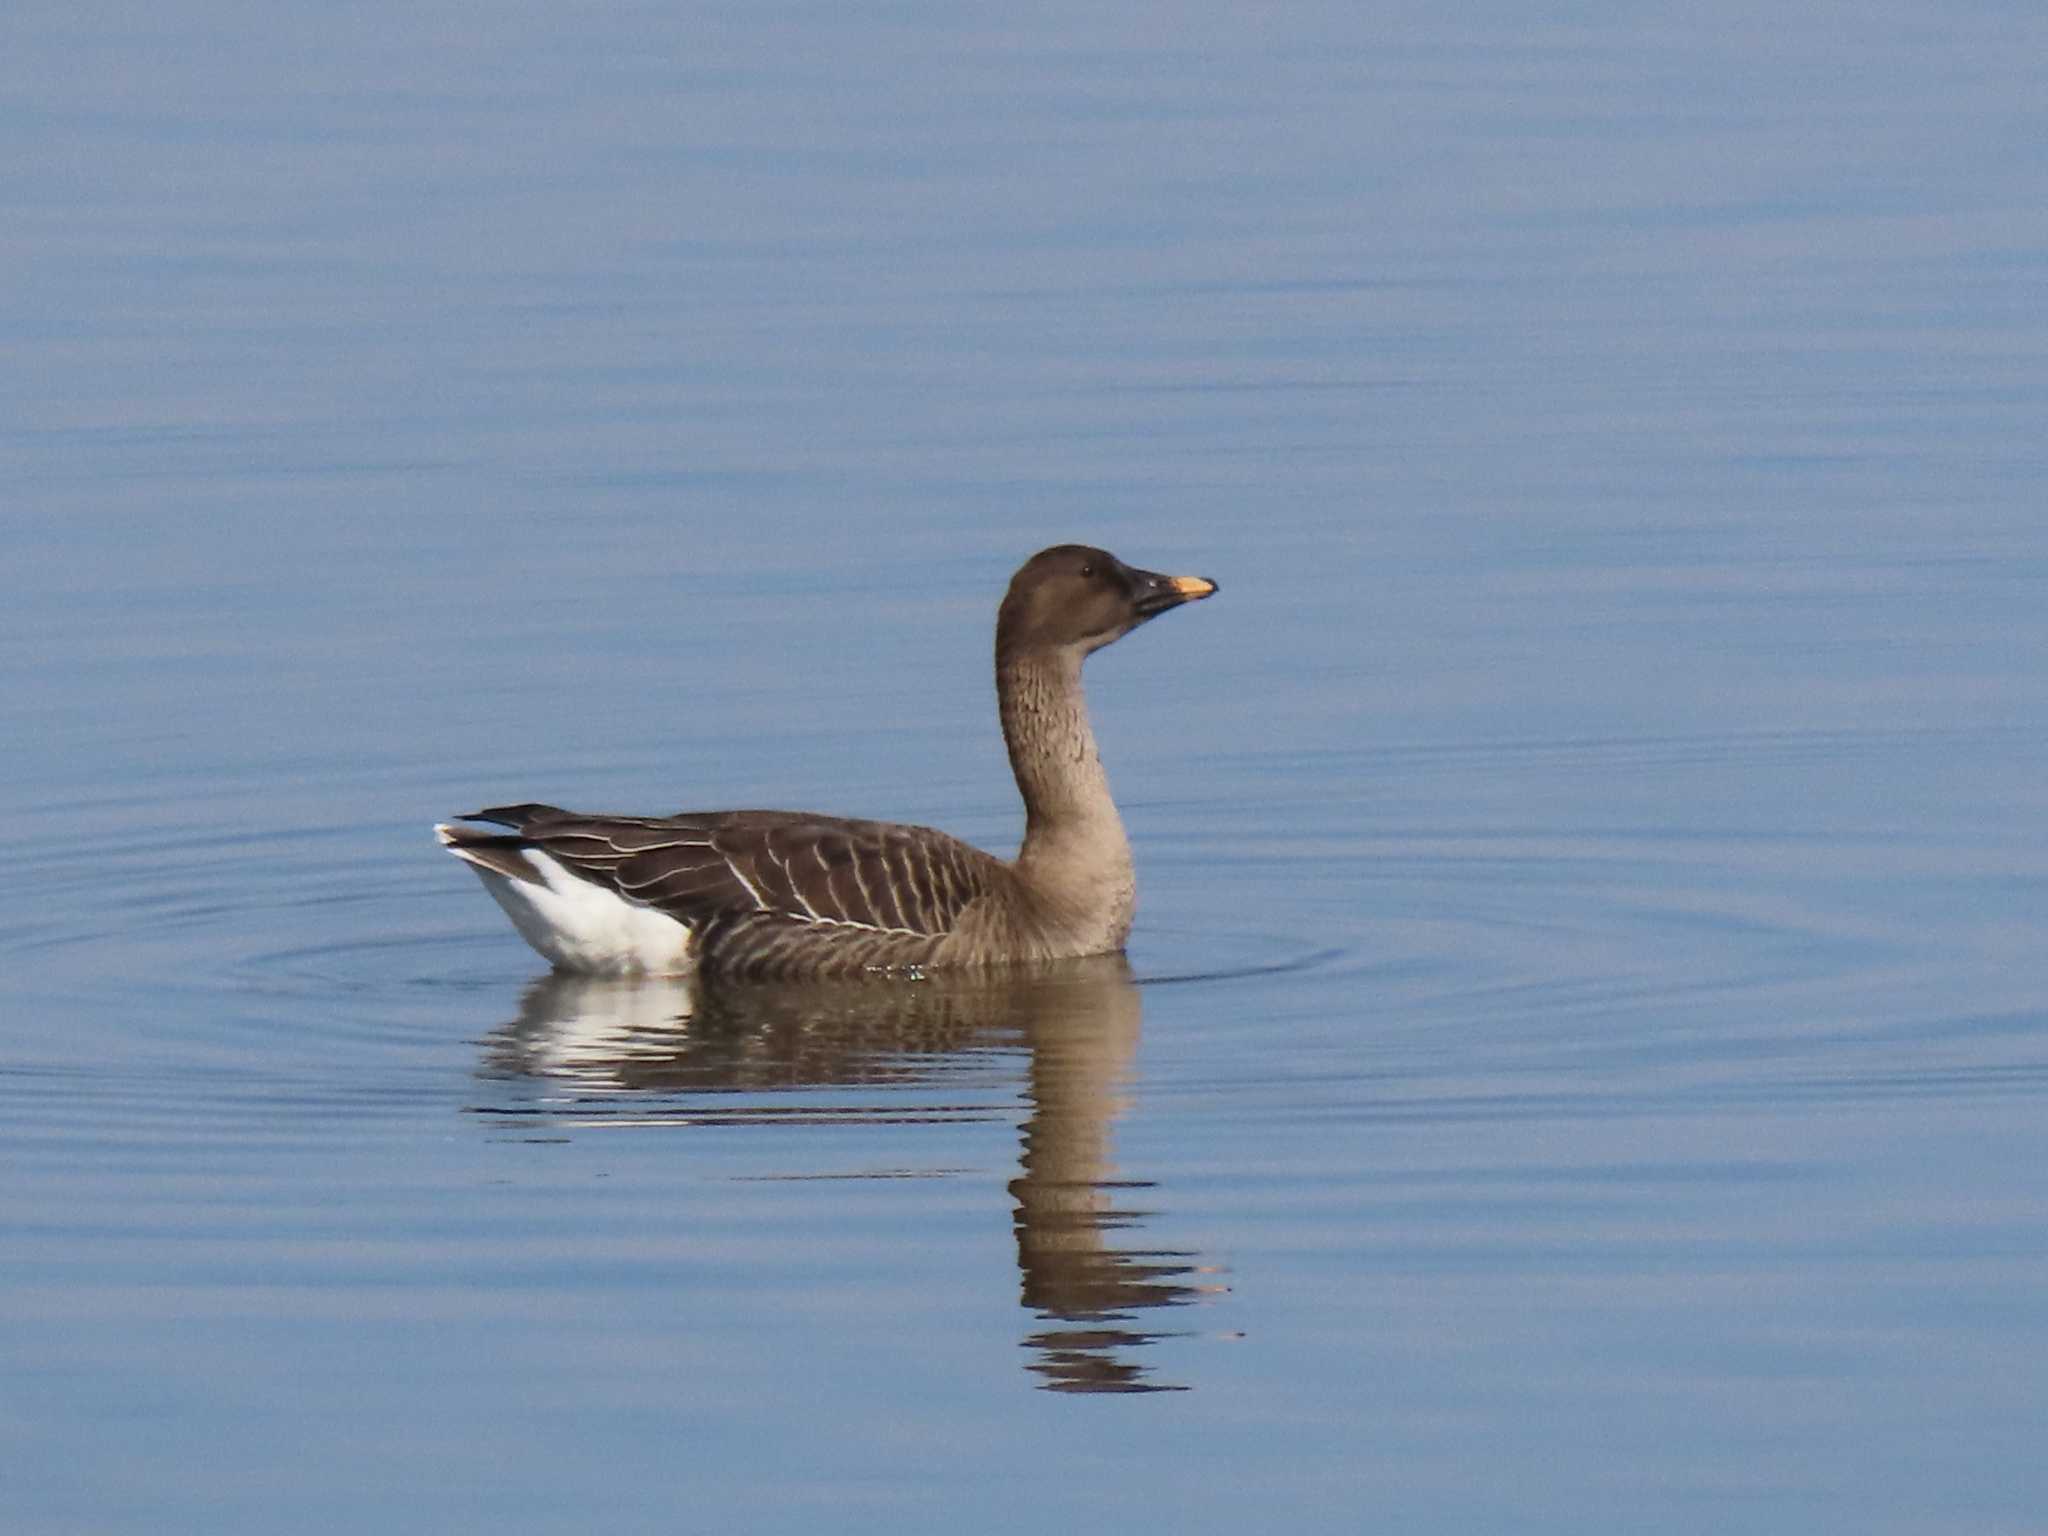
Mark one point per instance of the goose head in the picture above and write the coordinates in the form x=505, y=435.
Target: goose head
x=1075, y=598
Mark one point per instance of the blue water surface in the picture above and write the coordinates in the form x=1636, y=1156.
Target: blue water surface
x=1582, y=1063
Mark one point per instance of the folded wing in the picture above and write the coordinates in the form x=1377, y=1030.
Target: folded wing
x=735, y=869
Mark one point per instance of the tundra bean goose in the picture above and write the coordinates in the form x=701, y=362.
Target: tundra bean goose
x=789, y=894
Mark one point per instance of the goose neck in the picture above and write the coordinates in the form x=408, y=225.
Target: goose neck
x=1067, y=806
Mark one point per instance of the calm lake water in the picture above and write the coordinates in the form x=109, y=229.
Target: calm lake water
x=1582, y=1064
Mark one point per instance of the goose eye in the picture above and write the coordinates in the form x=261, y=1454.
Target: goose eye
x=1087, y=569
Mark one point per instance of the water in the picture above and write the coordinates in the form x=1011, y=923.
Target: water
x=1582, y=1060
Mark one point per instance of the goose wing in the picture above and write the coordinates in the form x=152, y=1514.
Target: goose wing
x=727, y=867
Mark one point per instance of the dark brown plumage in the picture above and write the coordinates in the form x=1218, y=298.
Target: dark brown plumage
x=790, y=894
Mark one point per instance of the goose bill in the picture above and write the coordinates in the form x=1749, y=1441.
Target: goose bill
x=1157, y=593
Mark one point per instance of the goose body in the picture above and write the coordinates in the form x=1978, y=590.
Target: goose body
x=789, y=894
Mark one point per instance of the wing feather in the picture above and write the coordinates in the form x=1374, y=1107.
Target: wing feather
x=768, y=875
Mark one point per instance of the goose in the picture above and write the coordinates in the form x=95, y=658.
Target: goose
x=788, y=895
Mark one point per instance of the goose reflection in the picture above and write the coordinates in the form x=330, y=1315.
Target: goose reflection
x=693, y=1043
